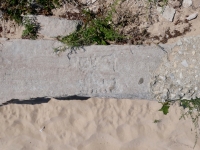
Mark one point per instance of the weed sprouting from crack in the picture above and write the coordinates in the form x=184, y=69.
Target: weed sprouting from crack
x=94, y=30
x=31, y=28
x=191, y=109
x=72, y=50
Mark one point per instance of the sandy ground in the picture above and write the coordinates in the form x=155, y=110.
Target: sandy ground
x=94, y=124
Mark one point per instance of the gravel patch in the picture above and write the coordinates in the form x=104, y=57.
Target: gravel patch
x=178, y=75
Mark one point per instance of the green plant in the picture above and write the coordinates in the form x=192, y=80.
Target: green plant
x=13, y=9
x=191, y=108
x=157, y=121
x=31, y=28
x=94, y=30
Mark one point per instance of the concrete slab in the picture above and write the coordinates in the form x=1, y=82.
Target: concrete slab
x=51, y=27
x=30, y=69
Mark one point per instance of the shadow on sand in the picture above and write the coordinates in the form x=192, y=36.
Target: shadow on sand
x=40, y=100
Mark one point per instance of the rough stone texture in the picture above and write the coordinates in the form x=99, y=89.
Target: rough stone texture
x=192, y=16
x=1, y=14
x=187, y=3
x=53, y=27
x=30, y=69
x=169, y=13
x=178, y=77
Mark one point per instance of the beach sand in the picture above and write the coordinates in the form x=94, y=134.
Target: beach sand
x=94, y=124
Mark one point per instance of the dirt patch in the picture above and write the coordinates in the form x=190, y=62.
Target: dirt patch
x=142, y=22
x=10, y=29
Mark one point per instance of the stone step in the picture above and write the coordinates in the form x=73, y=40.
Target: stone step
x=30, y=68
x=49, y=27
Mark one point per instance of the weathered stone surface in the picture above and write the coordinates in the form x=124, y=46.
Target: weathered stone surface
x=53, y=26
x=87, y=2
x=179, y=74
x=31, y=69
x=169, y=13
x=192, y=16
x=187, y=3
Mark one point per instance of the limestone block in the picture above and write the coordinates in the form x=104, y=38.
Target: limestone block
x=53, y=26
x=30, y=68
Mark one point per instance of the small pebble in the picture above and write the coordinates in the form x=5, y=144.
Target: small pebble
x=180, y=52
x=192, y=16
x=141, y=81
x=184, y=63
x=172, y=96
x=169, y=13
x=179, y=43
x=162, y=77
x=178, y=81
x=175, y=65
x=187, y=97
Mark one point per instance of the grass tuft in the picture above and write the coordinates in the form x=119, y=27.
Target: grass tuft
x=31, y=28
x=191, y=109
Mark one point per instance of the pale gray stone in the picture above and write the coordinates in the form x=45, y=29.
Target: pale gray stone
x=159, y=9
x=87, y=2
x=184, y=63
x=187, y=97
x=179, y=43
x=173, y=96
x=30, y=68
x=169, y=13
x=162, y=77
x=198, y=94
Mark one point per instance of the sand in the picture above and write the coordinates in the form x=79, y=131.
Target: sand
x=94, y=124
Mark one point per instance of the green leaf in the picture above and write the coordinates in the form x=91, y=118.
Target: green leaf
x=157, y=121
x=185, y=104
x=165, y=108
